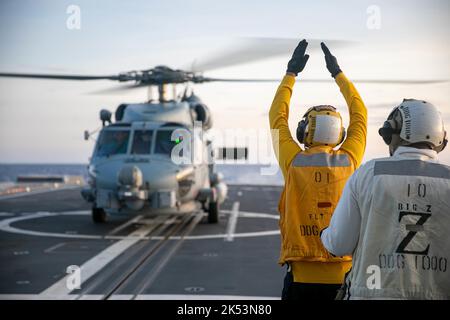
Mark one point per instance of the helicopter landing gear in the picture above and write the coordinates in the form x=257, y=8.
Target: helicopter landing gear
x=213, y=212
x=98, y=215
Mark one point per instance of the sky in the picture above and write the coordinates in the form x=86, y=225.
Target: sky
x=42, y=121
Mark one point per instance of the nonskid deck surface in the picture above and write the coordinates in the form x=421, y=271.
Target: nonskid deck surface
x=144, y=257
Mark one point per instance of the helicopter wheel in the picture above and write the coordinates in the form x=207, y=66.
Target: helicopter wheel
x=98, y=215
x=213, y=212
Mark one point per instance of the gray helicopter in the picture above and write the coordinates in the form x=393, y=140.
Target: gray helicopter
x=132, y=169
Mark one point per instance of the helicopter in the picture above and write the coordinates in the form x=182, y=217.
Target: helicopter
x=133, y=169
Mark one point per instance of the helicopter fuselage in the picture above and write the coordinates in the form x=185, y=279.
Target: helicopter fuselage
x=136, y=168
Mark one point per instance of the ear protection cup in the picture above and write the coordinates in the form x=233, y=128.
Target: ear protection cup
x=386, y=132
x=301, y=127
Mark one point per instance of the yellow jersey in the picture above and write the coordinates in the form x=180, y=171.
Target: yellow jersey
x=314, y=180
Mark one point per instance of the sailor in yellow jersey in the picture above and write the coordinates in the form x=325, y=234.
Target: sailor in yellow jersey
x=314, y=179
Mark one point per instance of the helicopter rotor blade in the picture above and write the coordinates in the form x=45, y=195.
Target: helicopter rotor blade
x=255, y=49
x=59, y=76
x=400, y=81
x=369, y=81
x=119, y=88
x=207, y=79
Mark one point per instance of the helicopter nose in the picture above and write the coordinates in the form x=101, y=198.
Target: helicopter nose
x=130, y=181
x=130, y=175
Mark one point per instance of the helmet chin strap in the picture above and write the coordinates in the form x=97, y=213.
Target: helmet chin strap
x=443, y=144
x=395, y=143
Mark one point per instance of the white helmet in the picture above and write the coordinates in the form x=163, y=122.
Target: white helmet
x=415, y=121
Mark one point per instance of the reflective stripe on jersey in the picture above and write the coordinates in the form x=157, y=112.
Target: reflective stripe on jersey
x=321, y=160
x=415, y=168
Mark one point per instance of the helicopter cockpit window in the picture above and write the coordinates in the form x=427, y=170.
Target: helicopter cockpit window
x=142, y=142
x=164, y=142
x=112, y=142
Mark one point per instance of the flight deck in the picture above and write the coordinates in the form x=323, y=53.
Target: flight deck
x=45, y=235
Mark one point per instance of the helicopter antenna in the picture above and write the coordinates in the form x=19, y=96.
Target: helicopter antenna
x=188, y=90
x=162, y=92
x=185, y=91
x=150, y=93
x=174, y=91
x=194, y=62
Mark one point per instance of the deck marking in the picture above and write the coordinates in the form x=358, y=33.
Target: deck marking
x=5, y=225
x=156, y=270
x=90, y=297
x=21, y=253
x=124, y=225
x=56, y=246
x=232, y=222
x=249, y=188
x=95, y=264
x=138, y=297
x=200, y=297
x=6, y=214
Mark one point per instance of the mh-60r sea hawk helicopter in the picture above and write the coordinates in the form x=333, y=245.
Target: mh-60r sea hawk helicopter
x=131, y=170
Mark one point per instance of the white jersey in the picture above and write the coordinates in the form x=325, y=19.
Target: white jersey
x=394, y=217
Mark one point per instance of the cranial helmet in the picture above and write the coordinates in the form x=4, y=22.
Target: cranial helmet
x=414, y=122
x=321, y=125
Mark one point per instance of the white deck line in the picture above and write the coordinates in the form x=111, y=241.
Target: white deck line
x=59, y=289
x=232, y=222
x=138, y=297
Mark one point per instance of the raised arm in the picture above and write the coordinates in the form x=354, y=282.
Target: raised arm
x=284, y=145
x=355, y=142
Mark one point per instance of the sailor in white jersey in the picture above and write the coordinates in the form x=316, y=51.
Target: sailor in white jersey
x=394, y=213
